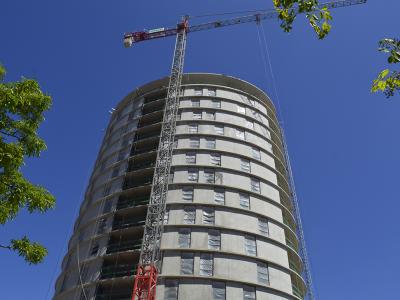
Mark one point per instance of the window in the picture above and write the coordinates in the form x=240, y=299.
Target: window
x=171, y=289
x=122, y=155
x=95, y=249
x=187, y=193
x=166, y=216
x=107, y=190
x=255, y=153
x=209, y=176
x=194, y=142
x=206, y=264
x=187, y=260
x=171, y=176
x=263, y=226
x=249, y=293
x=218, y=290
x=212, y=92
x=239, y=134
x=241, y=109
x=210, y=115
x=216, y=104
x=115, y=172
x=244, y=201
x=125, y=142
x=214, y=240
x=266, y=132
x=102, y=226
x=269, y=147
x=215, y=159
x=219, y=196
x=249, y=124
x=184, y=238
x=255, y=185
x=193, y=128
x=218, y=129
x=250, y=245
x=197, y=115
x=245, y=165
x=179, y=116
x=198, y=92
x=195, y=103
x=208, y=216
x=189, y=215
x=210, y=143
x=191, y=158
x=262, y=274
x=107, y=206
x=193, y=175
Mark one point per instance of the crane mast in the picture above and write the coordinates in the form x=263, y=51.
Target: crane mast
x=150, y=255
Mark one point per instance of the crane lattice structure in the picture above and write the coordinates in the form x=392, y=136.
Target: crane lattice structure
x=150, y=255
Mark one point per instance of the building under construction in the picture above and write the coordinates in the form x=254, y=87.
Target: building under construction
x=229, y=227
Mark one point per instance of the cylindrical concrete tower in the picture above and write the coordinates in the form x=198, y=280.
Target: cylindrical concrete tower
x=229, y=232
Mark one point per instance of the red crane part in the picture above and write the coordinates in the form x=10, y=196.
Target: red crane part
x=145, y=283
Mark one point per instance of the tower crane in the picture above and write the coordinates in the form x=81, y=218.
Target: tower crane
x=150, y=255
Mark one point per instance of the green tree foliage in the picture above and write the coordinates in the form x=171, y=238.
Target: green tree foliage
x=22, y=105
x=388, y=81
x=318, y=17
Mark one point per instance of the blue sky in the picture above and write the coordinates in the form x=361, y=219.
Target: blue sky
x=342, y=139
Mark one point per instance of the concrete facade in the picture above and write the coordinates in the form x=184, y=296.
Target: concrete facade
x=229, y=229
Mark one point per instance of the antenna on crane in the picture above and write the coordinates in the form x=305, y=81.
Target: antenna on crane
x=150, y=255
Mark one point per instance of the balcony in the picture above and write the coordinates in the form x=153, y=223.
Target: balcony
x=124, y=246
x=134, y=201
x=140, y=150
x=147, y=135
x=118, y=271
x=129, y=222
x=133, y=166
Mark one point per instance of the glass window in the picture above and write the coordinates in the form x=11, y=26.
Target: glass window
x=249, y=124
x=212, y=92
x=218, y=289
x=219, y=196
x=171, y=176
x=206, y=264
x=198, y=91
x=189, y=215
x=219, y=129
x=249, y=293
x=107, y=190
x=240, y=134
x=255, y=185
x=210, y=115
x=191, y=158
x=250, y=245
x=214, y=240
x=215, y=159
x=209, y=175
x=263, y=226
x=262, y=274
x=193, y=128
x=244, y=200
x=194, y=142
x=107, y=206
x=193, y=175
x=184, y=238
x=216, y=103
x=171, y=289
x=269, y=147
x=245, y=165
x=95, y=249
x=195, y=103
x=187, y=260
x=255, y=153
x=102, y=226
x=197, y=115
x=241, y=109
x=210, y=143
x=175, y=145
x=187, y=193
x=208, y=216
